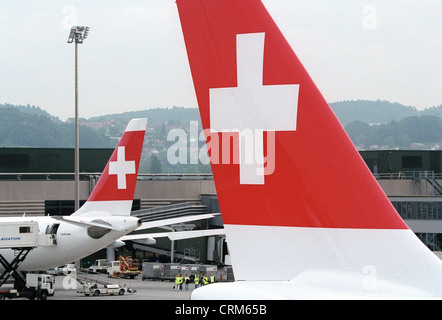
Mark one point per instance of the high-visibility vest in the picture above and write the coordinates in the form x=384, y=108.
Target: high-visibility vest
x=212, y=279
x=177, y=280
x=205, y=280
x=180, y=280
x=196, y=279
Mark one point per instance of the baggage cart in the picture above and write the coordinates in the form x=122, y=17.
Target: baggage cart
x=152, y=270
x=170, y=271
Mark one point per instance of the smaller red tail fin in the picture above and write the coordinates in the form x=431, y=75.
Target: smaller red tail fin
x=115, y=189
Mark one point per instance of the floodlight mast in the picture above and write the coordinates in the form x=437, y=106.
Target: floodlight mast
x=77, y=34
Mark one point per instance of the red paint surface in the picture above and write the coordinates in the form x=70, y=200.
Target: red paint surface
x=320, y=180
x=106, y=188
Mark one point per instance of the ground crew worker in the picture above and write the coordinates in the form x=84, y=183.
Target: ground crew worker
x=205, y=280
x=177, y=282
x=186, y=282
x=181, y=280
x=196, y=280
x=212, y=279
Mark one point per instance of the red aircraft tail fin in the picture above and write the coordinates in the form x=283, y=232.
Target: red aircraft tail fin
x=115, y=189
x=294, y=192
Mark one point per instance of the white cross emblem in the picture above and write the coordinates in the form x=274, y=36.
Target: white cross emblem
x=121, y=167
x=252, y=107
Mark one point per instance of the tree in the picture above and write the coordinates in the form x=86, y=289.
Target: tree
x=155, y=164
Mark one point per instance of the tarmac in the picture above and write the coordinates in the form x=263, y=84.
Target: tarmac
x=67, y=288
x=149, y=296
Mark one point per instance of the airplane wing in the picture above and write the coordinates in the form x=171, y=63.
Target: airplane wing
x=146, y=225
x=83, y=223
x=150, y=237
x=180, y=235
x=166, y=222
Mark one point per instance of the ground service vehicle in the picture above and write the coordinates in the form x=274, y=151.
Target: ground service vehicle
x=39, y=286
x=68, y=269
x=21, y=237
x=99, y=265
x=107, y=289
x=124, y=268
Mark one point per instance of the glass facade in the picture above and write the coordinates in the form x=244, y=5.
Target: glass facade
x=428, y=210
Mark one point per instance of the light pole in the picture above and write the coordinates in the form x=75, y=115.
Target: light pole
x=77, y=35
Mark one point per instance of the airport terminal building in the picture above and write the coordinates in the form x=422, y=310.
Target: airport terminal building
x=39, y=181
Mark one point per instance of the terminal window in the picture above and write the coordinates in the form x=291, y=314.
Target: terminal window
x=412, y=162
x=60, y=207
x=14, y=160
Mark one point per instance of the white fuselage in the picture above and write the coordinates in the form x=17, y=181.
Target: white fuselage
x=73, y=240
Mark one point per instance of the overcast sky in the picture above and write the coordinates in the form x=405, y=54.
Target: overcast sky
x=135, y=58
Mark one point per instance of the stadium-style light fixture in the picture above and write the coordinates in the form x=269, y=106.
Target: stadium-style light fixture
x=78, y=34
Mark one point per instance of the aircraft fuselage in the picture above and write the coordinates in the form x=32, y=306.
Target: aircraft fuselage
x=72, y=241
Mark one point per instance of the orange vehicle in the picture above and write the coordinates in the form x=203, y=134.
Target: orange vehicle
x=124, y=268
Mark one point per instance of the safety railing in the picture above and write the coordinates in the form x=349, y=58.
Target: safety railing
x=88, y=175
x=408, y=175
